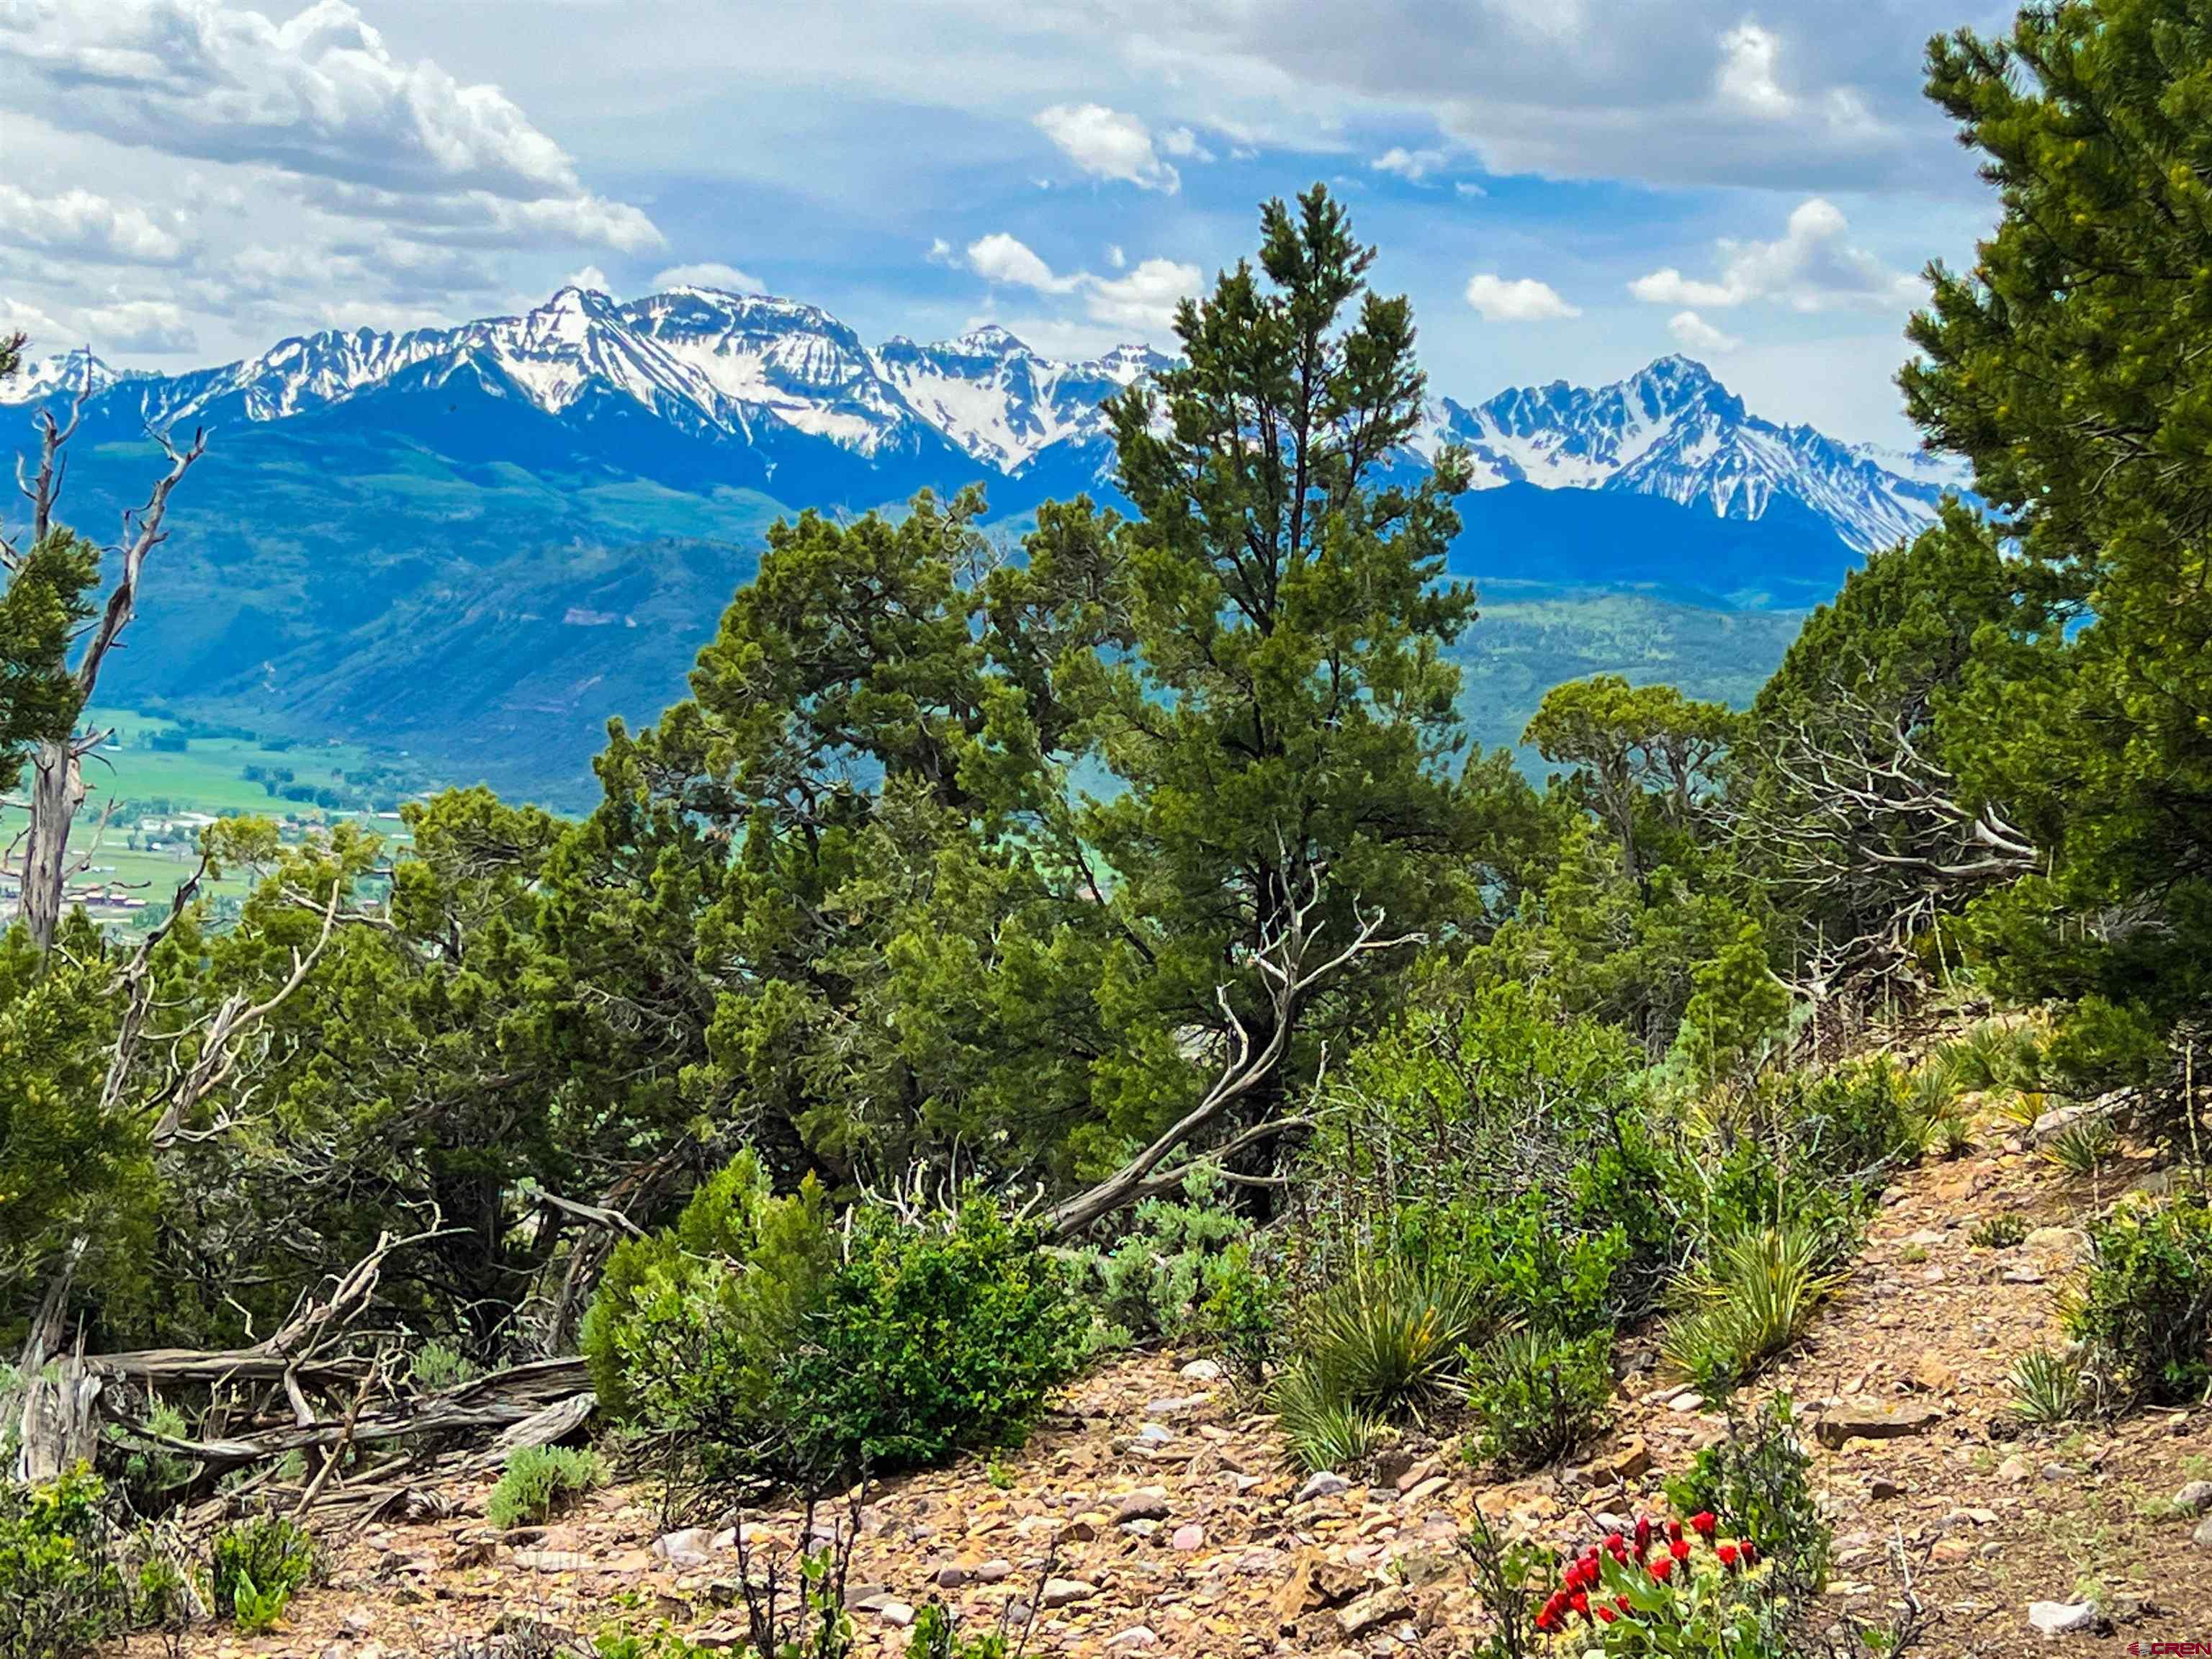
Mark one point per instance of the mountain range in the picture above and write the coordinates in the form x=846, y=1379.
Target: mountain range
x=554, y=507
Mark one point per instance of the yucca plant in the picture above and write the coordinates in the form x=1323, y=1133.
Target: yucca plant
x=1746, y=1302
x=2084, y=1146
x=2021, y=1106
x=1383, y=1341
x=2046, y=1387
x=1320, y=1430
x=2000, y=1231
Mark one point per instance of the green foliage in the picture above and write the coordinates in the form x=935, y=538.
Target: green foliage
x=1383, y=1341
x=540, y=1481
x=1536, y=1396
x=1745, y=1303
x=2143, y=1314
x=937, y=1636
x=437, y=1366
x=1644, y=758
x=2046, y=1387
x=930, y=1340
x=2058, y=365
x=2084, y=1146
x=45, y=599
x=1999, y=1231
x=1756, y=1475
x=1737, y=1010
x=258, y=1565
x=1161, y=1280
x=60, y=1592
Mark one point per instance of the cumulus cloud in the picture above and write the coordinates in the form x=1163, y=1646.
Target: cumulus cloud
x=318, y=97
x=1184, y=144
x=21, y=317
x=1109, y=143
x=1746, y=78
x=1145, y=299
x=1522, y=300
x=1000, y=258
x=1812, y=266
x=154, y=325
x=1411, y=165
x=712, y=273
x=1693, y=333
x=76, y=222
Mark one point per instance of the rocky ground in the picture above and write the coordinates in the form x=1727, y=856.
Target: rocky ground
x=1154, y=1510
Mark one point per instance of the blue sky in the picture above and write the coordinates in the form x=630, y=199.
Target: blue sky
x=1567, y=188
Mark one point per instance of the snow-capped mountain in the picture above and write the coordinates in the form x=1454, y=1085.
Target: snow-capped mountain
x=1672, y=430
x=45, y=380
x=793, y=383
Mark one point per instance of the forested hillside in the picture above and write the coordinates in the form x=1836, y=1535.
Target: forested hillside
x=1007, y=956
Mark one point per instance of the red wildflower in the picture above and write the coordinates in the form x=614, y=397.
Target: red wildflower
x=1544, y=1618
x=1675, y=1531
x=1727, y=1553
x=1642, y=1534
x=1579, y=1601
x=1704, y=1522
x=1607, y=1615
x=1624, y=1604
x=1678, y=1550
x=1617, y=1547
x=1748, y=1551
x=1664, y=1568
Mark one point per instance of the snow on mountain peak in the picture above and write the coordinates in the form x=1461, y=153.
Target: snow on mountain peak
x=45, y=380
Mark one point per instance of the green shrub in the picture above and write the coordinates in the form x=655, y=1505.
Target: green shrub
x=538, y=1482
x=437, y=1366
x=1385, y=1340
x=1756, y=1475
x=2143, y=1315
x=929, y=1339
x=2046, y=1387
x=1745, y=1303
x=937, y=1636
x=1244, y=1312
x=258, y=1565
x=1999, y=1231
x=60, y=1594
x=1855, y=1118
x=2084, y=1146
x=1537, y=1396
x=1157, y=1279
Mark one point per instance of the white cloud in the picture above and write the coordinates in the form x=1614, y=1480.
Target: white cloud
x=1108, y=144
x=1468, y=187
x=712, y=273
x=1746, y=78
x=1000, y=258
x=318, y=99
x=590, y=278
x=87, y=225
x=1523, y=300
x=1693, y=333
x=154, y=325
x=1411, y=165
x=19, y=316
x=1182, y=143
x=1812, y=267
x=1145, y=299
x=941, y=252
x=1115, y=257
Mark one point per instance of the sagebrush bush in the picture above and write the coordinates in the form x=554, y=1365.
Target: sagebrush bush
x=2143, y=1312
x=1156, y=1280
x=60, y=1592
x=539, y=1481
x=1537, y=1396
x=258, y=1565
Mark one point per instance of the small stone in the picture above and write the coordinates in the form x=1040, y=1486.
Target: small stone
x=2061, y=1618
x=1146, y=1504
x=2055, y=1472
x=898, y=1614
x=994, y=1571
x=692, y=1546
x=1358, y=1618
x=1688, y=1401
x=1631, y=1461
x=2194, y=1499
x=1187, y=1537
x=1137, y=1636
x=1952, y=1549
x=952, y=1577
x=2202, y=1536
x=1871, y=1422
x=2016, y=1470
x=1201, y=1370
x=1156, y=1432
x=1322, y=1485
x=1883, y=1486
x=552, y=1560
x=1935, y=1373
x=1065, y=1592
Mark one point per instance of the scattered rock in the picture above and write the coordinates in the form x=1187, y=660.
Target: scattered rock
x=2202, y=1536
x=1146, y=1504
x=1873, y=1422
x=2194, y=1499
x=898, y=1614
x=1324, y=1485
x=1370, y=1611
x=2016, y=1470
x=1137, y=1636
x=1631, y=1461
x=1201, y=1370
x=1935, y=1373
x=1066, y=1592
x=552, y=1560
x=2063, y=1617
x=1188, y=1537
x=994, y=1571
x=1882, y=1486
x=2053, y=1123
x=692, y=1546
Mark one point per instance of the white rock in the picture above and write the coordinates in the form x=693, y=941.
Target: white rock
x=896, y=1613
x=1201, y=1370
x=692, y=1546
x=1324, y=1485
x=2061, y=1618
x=1137, y=1636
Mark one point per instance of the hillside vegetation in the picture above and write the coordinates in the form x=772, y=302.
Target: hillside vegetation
x=997, y=964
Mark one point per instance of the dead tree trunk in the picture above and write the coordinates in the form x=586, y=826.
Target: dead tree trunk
x=57, y=769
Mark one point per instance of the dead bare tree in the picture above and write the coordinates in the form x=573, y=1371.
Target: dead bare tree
x=56, y=774
x=1290, y=979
